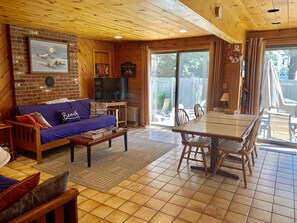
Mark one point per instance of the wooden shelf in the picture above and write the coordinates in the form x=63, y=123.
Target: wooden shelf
x=102, y=63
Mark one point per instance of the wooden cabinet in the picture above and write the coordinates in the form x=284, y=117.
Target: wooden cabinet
x=102, y=63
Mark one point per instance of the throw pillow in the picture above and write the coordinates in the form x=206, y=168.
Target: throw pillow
x=6, y=182
x=28, y=119
x=16, y=191
x=40, y=119
x=43, y=192
x=98, y=109
x=70, y=115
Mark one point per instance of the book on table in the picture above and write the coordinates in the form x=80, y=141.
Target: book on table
x=94, y=134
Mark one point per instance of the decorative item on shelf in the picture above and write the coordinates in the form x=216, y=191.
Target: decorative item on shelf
x=225, y=99
x=128, y=69
x=102, y=70
x=236, y=54
x=48, y=56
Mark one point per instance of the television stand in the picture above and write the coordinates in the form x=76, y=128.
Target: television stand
x=122, y=106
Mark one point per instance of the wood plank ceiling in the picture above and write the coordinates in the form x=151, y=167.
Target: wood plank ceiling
x=149, y=19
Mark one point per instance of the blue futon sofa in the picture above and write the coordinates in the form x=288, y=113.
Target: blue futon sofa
x=31, y=137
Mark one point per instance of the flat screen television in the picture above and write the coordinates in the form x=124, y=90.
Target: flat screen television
x=111, y=89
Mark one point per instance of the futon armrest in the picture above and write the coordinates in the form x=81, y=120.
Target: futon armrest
x=56, y=204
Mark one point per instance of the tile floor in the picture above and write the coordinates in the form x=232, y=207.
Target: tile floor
x=158, y=194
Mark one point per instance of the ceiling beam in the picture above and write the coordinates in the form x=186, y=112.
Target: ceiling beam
x=202, y=14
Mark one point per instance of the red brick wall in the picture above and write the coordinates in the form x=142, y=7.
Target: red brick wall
x=31, y=88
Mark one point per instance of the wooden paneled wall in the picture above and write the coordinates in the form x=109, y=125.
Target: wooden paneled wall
x=86, y=64
x=6, y=88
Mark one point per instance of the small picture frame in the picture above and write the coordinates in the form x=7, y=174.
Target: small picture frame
x=48, y=57
x=128, y=69
x=101, y=70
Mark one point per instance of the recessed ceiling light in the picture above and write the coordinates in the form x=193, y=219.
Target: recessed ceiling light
x=276, y=23
x=273, y=10
x=118, y=37
x=182, y=31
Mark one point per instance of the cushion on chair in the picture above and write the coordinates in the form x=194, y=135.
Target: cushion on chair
x=17, y=190
x=198, y=141
x=230, y=146
x=41, y=193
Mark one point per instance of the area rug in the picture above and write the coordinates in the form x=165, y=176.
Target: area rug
x=278, y=148
x=109, y=166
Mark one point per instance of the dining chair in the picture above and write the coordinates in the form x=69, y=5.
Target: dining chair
x=243, y=149
x=198, y=110
x=189, y=141
x=254, y=149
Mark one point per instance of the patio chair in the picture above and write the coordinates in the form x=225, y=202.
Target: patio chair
x=242, y=149
x=198, y=110
x=280, y=126
x=190, y=141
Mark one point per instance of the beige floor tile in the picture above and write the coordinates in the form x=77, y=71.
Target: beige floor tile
x=282, y=210
x=129, y=207
x=228, y=187
x=266, y=206
x=89, y=218
x=136, y=187
x=81, y=199
x=178, y=220
x=115, y=190
x=81, y=213
x=140, y=199
x=260, y=214
x=101, y=197
x=242, y=199
x=102, y=211
x=143, y=180
x=189, y=215
x=171, y=188
x=220, y=202
x=239, y=208
x=145, y=213
x=284, y=202
x=155, y=204
x=245, y=192
x=171, y=209
x=208, y=219
x=207, y=189
x=162, y=218
x=199, y=196
x=279, y=218
x=117, y=216
x=163, y=195
x=126, y=194
x=224, y=194
x=264, y=196
x=157, y=184
x=134, y=219
x=254, y=220
x=179, y=200
x=114, y=202
x=215, y=212
x=196, y=206
x=185, y=192
x=149, y=191
x=88, y=193
x=233, y=217
x=89, y=205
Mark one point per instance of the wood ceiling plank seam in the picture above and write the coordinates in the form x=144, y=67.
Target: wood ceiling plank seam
x=282, y=15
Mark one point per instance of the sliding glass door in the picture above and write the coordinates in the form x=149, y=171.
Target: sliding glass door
x=178, y=80
x=279, y=96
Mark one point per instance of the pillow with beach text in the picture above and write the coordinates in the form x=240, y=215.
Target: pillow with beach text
x=69, y=115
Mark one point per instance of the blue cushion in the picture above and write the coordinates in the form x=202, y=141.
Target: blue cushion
x=6, y=182
x=48, y=111
x=69, y=129
x=69, y=115
x=83, y=107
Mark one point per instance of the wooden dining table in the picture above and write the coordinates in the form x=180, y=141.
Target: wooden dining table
x=217, y=126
